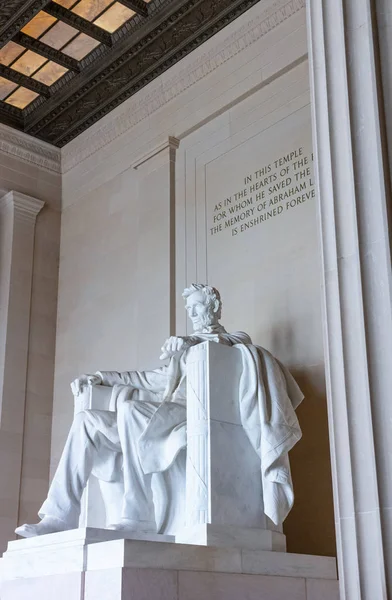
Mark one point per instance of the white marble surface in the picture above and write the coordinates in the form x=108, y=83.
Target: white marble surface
x=64, y=586
x=288, y=564
x=84, y=535
x=18, y=216
x=152, y=584
x=163, y=556
x=63, y=552
x=230, y=536
x=350, y=146
x=124, y=569
x=223, y=478
x=138, y=554
x=89, y=549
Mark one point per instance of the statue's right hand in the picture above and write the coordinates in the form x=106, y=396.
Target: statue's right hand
x=83, y=381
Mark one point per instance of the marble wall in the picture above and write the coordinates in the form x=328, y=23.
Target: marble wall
x=137, y=220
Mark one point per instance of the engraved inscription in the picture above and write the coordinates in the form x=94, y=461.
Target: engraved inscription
x=271, y=190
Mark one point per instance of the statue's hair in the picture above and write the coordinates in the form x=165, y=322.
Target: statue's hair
x=212, y=296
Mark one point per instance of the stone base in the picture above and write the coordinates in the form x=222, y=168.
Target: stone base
x=228, y=536
x=62, y=552
x=78, y=566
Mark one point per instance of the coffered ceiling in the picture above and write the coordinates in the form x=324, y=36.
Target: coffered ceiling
x=64, y=64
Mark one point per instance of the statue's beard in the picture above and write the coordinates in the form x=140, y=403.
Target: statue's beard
x=205, y=321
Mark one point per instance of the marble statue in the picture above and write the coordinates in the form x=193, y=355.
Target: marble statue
x=147, y=430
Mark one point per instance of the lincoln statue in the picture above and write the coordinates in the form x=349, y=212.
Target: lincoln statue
x=147, y=429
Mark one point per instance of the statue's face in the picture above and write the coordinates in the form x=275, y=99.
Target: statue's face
x=199, y=311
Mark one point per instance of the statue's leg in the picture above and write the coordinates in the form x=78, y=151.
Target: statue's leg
x=138, y=507
x=91, y=432
x=169, y=496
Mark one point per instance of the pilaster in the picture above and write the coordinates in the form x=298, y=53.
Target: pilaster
x=352, y=179
x=18, y=214
x=156, y=178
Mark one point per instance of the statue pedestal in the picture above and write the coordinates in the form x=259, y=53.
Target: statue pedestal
x=88, y=564
x=57, y=553
x=229, y=536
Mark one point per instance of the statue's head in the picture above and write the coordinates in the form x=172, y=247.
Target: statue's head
x=203, y=305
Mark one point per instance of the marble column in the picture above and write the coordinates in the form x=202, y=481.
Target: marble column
x=353, y=188
x=18, y=214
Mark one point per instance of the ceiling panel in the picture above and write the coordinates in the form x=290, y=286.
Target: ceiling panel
x=66, y=3
x=90, y=9
x=21, y=98
x=50, y=73
x=39, y=24
x=115, y=16
x=10, y=52
x=6, y=87
x=59, y=35
x=28, y=63
x=80, y=46
x=64, y=64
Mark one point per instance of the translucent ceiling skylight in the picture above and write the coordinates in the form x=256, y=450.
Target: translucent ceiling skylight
x=21, y=97
x=114, y=17
x=32, y=61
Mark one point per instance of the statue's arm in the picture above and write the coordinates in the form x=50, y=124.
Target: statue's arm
x=152, y=381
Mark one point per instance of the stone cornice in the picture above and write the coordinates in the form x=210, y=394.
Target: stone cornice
x=26, y=208
x=28, y=149
x=145, y=103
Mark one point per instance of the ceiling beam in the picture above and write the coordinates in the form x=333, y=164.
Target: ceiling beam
x=27, y=82
x=58, y=11
x=139, y=6
x=10, y=115
x=47, y=51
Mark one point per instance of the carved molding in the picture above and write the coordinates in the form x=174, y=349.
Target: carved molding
x=146, y=103
x=26, y=208
x=29, y=150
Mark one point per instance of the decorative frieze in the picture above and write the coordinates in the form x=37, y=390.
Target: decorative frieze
x=28, y=149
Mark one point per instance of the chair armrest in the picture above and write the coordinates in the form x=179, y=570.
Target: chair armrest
x=93, y=396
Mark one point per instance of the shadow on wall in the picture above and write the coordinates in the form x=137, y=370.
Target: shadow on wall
x=310, y=525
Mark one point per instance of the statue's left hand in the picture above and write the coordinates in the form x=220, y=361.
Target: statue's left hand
x=173, y=345
x=84, y=380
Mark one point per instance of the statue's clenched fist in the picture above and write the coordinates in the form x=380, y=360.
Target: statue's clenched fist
x=175, y=344
x=83, y=381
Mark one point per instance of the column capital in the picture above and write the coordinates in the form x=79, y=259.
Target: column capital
x=171, y=144
x=26, y=208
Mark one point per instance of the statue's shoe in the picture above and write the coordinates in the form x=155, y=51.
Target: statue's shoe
x=47, y=525
x=130, y=526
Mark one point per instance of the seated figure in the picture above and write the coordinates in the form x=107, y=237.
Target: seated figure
x=146, y=432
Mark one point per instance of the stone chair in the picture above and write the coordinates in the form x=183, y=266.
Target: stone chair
x=221, y=503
